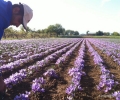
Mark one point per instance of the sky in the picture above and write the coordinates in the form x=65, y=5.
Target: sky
x=77, y=15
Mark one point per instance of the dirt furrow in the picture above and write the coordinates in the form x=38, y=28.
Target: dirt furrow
x=111, y=65
x=90, y=80
x=56, y=87
x=65, y=79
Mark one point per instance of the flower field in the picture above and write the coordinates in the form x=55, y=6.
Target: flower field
x=61, y=69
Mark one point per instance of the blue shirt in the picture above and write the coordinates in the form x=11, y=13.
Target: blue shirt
x=5, y=15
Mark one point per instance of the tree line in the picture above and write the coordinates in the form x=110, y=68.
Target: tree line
x=51, y=31
x=101, y=33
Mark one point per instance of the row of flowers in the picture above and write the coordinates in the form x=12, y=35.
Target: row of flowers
x=76, y=73
x=107, y=82
x=110, y=48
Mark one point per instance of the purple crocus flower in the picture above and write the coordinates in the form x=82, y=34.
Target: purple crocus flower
x=39, y=80
x=116, y=94
x=36, y=87
x=22, y=96
x=70, y=89
x=51, y=73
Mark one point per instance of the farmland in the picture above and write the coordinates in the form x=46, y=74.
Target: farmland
x=61, y=69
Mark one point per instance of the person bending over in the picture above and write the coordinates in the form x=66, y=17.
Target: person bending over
x=12, y=14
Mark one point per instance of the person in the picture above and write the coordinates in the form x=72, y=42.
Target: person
x=12, y=14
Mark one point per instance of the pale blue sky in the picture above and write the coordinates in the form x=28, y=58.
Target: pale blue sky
x=77, y=15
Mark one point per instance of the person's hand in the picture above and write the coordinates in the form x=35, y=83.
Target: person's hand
x=2, y=85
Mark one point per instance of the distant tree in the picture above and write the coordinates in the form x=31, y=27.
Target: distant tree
x=38, y=31
x=42, y=31
x=115, y=34
x=76, y=33
x=63, y=31
x=99, y=33
x=29, y=29
x=67, y=32
x=71, y=32
x=45, y=30
x=106, y=33
x=59, y=29
x=51, y=28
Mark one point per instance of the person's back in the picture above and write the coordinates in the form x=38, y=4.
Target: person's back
x=5, y=15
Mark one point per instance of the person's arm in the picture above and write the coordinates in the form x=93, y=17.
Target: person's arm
x=1, y=33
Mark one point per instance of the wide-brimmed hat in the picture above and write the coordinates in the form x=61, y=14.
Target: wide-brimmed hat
x=27, y=14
